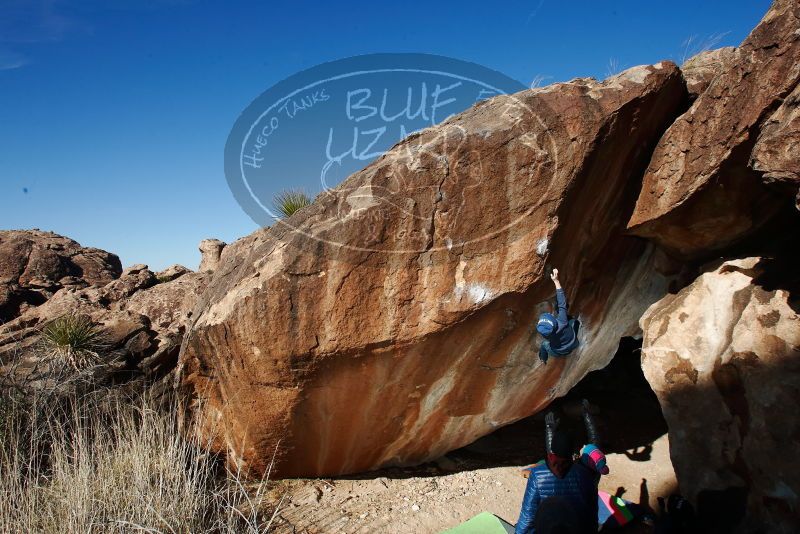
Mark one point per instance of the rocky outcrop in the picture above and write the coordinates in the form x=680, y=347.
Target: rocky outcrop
x=699, y=195
x=723, y=356
x=124, y=334
x=142, y=321
x=701, y=69
x=211, y=250
x=35, y=264
x=777, y=150
x=393, y=320
x=168, y=308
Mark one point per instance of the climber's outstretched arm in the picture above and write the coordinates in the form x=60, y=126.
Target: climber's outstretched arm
x=561, y=300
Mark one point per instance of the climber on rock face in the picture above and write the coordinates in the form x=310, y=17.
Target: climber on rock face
x=561, y=495
x=560, y=332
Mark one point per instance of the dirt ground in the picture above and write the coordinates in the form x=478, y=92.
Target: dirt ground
x=404, y=502
x=486, y=475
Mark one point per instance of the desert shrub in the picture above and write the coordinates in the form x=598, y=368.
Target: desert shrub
x=73, y=340
x=290, y=201
x=116, y=465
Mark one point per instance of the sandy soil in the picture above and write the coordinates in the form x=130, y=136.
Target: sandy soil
x=486, y=475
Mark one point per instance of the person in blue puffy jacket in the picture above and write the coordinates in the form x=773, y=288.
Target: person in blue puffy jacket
x=560, y=332
x=561, y=495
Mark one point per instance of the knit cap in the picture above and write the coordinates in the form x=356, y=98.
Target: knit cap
x=546, y=325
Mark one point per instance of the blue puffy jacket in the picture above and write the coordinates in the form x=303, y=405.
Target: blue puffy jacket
x=576, y=492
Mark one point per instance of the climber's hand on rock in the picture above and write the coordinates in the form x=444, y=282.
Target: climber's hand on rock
x=554, y=278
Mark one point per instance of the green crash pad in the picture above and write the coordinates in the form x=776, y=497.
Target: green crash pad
x=483, y=523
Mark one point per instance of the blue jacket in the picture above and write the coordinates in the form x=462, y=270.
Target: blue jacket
x=577, y=490
x=564, y=339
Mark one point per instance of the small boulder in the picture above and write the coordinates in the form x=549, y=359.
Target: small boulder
x=172, y=272
x=211, y=250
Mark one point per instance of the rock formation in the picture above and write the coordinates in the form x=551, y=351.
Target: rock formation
x=700, y=70
x=699, y=195
x=392, y=320
x=723, y=356
x=211, y=249
x=142, y=320
x=776, y=153
x=34, y=265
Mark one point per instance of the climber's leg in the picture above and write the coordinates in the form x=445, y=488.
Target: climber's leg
x=550, y=425
x=592, y=434
x=544, y=351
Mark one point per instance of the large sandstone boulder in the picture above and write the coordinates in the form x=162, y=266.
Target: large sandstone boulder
x=36, y=264
x=699, y=194
x=723, y=356
x=393, y=320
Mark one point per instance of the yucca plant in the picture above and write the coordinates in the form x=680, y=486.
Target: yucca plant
x=73, y=340
x=290, y=201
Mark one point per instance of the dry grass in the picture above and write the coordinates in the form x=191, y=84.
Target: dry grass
x=114, y=466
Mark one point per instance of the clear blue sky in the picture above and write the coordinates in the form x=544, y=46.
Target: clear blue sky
x=113, y=120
